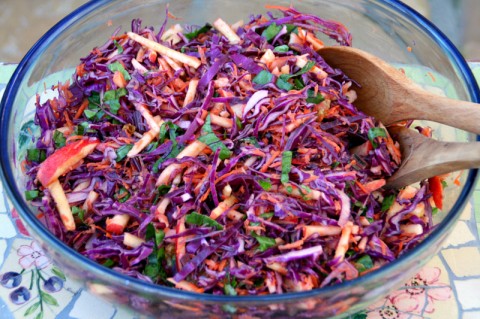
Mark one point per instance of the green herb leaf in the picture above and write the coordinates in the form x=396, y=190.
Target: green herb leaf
x=122, y=195
x=444, y=184
x=282, y=83
x=108, y=263
x=90, y=114
x=110, y=95
x=388, y=202
x=201, y=220
x=208, y=137
x=238, y=122
x=58, y=139
x=271, y=31
x=350, y=253
x=281, y=48
x=76, y=211
x=304, y=191
x=154, y=268
x=156, y=234
x=292, y=28
x=118, y=46
x=265, y=242
x=192, y=35
x=286, y=166
x=364, y=263
x=375, y=132
x=112, y=99
x=122, y=151
x=114, y=106
x=161, y=190
x=94, y=99
x=48, y=299
x=162, y=135
x=263, y=77
x=307, y=67
x=31, y=195
x=81, y=128
x=358, y=204
x=31, y=309
x=174, y=151
x=117, y=66
x=298, y=83
x=312, y=98
x=164, y=189
x=172, y=129
x=265, y=183
x=435, y=211
x=36, y=155
x=267, y=215
x=150, y=232
x=93, y=111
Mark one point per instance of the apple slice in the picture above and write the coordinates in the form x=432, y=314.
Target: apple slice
x=223, y=207
x=133, y=241
x=57, y=164
x=117, y=224
x=64, y=159
x=63, y=206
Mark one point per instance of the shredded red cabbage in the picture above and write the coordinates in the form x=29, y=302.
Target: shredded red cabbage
x=236, y=165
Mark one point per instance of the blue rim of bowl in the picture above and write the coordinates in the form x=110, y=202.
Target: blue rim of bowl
x=112, y=276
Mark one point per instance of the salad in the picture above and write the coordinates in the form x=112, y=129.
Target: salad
x=223, y=159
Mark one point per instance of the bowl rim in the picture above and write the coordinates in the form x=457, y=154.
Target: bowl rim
x=110, y=275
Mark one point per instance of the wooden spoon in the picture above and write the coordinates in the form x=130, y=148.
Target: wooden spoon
x=388, y=95
x=424, y=157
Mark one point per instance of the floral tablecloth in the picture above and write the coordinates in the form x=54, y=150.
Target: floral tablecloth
x=31, y=286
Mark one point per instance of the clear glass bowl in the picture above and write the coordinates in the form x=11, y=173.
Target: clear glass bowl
x=387, y=29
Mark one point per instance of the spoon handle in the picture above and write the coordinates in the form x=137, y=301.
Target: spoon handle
x=460, y=114
x=425, y=157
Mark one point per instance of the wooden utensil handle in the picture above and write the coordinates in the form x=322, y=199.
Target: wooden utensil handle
x=460, y=114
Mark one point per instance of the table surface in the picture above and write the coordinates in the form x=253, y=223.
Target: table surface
x=447, y=287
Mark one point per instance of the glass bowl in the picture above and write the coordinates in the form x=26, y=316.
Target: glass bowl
x=387, y=29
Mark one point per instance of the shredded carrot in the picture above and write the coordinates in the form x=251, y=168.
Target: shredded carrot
x=276, y=7
x=456, y=181
x=80, y=110
x=267, y=164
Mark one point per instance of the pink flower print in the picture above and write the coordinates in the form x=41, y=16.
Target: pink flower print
x=384, y=309
x=421, y=292
x=32, y=255
x=387, y=312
